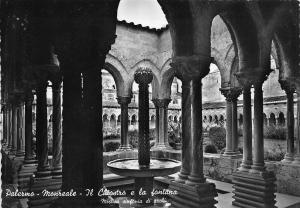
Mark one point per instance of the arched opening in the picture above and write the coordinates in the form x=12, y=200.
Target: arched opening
x=105, y=121
x=240, y=121
x=119, y=120
x=221, y=120
x=216, y=120
x=210, y=118
x=175, y=119
x=133, y=120
x=113, y=123
x=272, y=120
x=281, y=119
x=152, y=122
x=265, y=120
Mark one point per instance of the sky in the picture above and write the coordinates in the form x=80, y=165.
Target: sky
x=144, y=12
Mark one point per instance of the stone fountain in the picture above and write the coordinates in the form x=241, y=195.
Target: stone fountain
x=144, y=169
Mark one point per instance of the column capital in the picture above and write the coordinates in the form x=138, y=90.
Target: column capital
x=231, y=94
x=252, y=76
x=123, y=100
x=143, y=76
x=191, y=67
x=161, y=103
x=287, y=86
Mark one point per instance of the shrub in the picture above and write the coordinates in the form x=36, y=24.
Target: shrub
x=275, y=132
x=111, y=146
x=210, y=149
x=133, y=137
x=275, y=154
x=218, y=136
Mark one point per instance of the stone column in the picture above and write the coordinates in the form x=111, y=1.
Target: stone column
x=191, y=70
x=43, y=169
x=162, y=121
x=186, y=133
x=20, y=143
x=14, y=129
x=124, y=101
x=9, y=127
x=29, y=158
x=4, y=127
x=231, y=95
x=289, y=89
x=258, y=156
x=297, y=156
x=56, y=130
x=247, y=129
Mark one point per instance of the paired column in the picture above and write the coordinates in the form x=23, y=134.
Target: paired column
x=29, y=158
x=191, y=70
x=43, y=169
x=56, y=130
x=289, y=89
x=4, y=139
x=161, y=106
x=124, y=101
x=231, y=95
x=247, y=129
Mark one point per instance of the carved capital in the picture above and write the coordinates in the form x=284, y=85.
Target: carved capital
x=123, y=100
x=191, y=67
x=231, y=94
x=143, y=76
x=287, y=86
x=252, y=76
x=161, y=103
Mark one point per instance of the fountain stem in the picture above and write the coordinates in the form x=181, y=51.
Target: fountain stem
x=143, y=77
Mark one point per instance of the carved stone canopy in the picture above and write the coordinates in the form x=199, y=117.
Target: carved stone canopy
x=231, y=94
x=287, y=86
x=161, y=103
x=252, y=76
x=191, y=67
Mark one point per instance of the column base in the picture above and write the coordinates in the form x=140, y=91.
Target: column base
x=288, y=158
x=182, y=177
x=245, y=166
x=254, y=190
x=24, y=175
x=37, y=186
x=194, y=180
x=57, y=172
x=296, y=160
x=232, y=154
x=124, y=148
x=20, y=153
x=30, y=160
x=43, y=173
x=201, y=195
x=258, y=168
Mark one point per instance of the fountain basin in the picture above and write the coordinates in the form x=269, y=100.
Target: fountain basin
x=130, y=167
